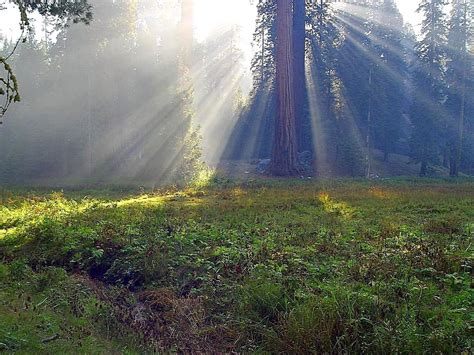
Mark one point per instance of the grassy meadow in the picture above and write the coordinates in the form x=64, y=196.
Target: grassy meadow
x=260, y=266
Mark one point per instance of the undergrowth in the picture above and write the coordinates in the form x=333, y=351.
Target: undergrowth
x=261, y=266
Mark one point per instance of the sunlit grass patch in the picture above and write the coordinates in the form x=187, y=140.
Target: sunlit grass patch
x=333, y=206
x=383, y=193
x=142, y=201
x=10, y=232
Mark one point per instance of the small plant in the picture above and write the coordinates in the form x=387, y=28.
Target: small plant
x=444, y=226
x=4, y=272
x=264, y=299
x=192, y=166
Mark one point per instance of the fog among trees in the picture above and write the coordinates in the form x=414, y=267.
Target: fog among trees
x=123, y=91
x=236, y=176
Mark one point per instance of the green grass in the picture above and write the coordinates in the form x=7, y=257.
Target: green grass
x=261, y=266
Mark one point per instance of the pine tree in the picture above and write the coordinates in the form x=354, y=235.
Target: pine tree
x=324, y=95
x=429, y=83
x=356, y=67
x=459, y=36
x=251, y=137
x=389, y=76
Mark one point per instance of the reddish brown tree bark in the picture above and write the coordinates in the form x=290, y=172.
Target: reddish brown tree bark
x=284, y=155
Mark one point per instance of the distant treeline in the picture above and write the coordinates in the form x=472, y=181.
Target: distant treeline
x=115, y=100
x=110, y=101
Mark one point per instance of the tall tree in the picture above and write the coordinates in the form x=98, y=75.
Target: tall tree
x=263, y=63
x=357, y=64
x=459, y=35
x=389, y=78
x=429, y=84
x=284, y=155
x=187, y=158
x=325, y=38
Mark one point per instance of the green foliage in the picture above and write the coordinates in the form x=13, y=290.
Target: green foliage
x=263, y=300
x=48, y=311
x=427, y=111
x=349, y=159
x=192, y=165
x=8, y=87
x=269, y=266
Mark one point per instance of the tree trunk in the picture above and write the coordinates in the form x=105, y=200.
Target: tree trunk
x=299, y=82
x=424, y=167
x=460, y=135
x=452, y=161
x=284, y=154
x=458, y=142
x=262, y=69
x=89, y=126
x=446, y=156
x=368, y=139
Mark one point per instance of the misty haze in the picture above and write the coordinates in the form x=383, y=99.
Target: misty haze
x=236, y=176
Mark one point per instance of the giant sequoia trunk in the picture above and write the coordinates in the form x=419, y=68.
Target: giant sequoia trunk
x=284, y=154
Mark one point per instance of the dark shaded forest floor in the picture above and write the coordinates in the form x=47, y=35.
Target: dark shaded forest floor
x=396, y=165
x=276, y=266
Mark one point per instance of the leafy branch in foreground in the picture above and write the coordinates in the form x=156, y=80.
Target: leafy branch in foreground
x=63, y=12
x=9, y=82
x=9, y=88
